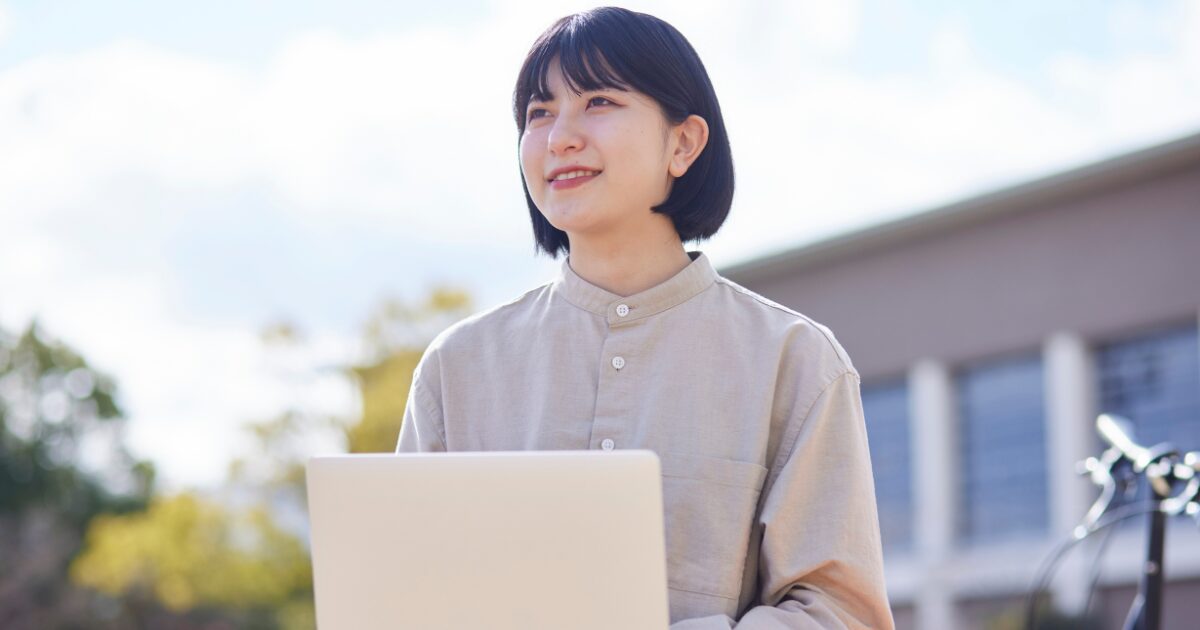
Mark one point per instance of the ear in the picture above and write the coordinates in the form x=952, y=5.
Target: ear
x=690, y=136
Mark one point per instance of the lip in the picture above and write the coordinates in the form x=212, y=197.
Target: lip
x=564, y=184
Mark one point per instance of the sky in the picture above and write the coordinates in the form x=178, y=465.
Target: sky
x=174, y=177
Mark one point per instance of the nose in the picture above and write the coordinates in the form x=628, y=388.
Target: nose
x=565, y=135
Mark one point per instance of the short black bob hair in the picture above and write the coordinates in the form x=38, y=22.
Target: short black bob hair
x=614, y=48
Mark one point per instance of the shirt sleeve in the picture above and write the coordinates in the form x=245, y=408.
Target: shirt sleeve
x=821, y=561
x=423, y=428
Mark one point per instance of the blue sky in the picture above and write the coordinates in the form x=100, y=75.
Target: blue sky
x=175, y=176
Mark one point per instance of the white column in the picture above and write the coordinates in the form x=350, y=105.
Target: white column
x=1070, y=410
x=935, y=491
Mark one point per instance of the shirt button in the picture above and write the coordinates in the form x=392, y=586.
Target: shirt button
x=618, y=362
x=622, y=310
x=607, y=444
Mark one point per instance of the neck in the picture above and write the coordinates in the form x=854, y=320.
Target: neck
x=629, y=264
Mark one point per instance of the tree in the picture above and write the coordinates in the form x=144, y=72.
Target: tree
x=397, y=334
x=203, y=560
x=188, y=553
x=57, y=413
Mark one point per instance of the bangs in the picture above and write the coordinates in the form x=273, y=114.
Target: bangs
x=583, y=67
x=587, y=63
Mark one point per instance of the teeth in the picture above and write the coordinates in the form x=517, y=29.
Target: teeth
x=574, y=174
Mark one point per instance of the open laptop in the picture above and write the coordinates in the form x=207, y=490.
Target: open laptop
x=496, y=540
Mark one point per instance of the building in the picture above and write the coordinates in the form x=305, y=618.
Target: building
x=989, y=333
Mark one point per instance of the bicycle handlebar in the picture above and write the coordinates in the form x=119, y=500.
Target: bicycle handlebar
x=1174, y=483
x=1164, y=468
x=1118, y=432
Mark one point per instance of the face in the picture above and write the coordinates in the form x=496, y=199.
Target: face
x=620, y=142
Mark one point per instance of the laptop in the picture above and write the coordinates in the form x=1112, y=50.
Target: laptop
x=488, y=540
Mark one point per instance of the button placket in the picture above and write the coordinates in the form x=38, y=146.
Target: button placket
x=614, y=399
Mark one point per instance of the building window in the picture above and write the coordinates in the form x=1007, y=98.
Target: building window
x=886, y=409
x=1003, y=448
x=1154, y=381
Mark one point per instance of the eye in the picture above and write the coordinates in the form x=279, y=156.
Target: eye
x=604, y=101
x=536, y=112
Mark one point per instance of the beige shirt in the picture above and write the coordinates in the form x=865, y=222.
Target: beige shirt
x=753, y=409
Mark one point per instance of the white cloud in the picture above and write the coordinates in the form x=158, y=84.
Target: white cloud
x=829, y=25
x=186, y=385
x=950, y=49
x=1188, y=34
x=1141, y=97
x=334, y=126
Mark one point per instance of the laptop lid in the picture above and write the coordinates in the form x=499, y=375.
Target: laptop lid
x=501, y=540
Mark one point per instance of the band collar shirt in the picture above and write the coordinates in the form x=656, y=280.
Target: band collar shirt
x=753, y=409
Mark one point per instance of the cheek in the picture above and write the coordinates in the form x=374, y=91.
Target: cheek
x=646, y=162
x=531, y=166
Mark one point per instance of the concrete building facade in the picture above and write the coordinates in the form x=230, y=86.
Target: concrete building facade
x=989, y=333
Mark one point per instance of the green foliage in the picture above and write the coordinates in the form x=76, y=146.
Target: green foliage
x=276, y=470
x=85, y=546
x=384, y=390
x=55, y=409
x=397, y=334
x=190, y=553
x=396, y=325
x=51, y=401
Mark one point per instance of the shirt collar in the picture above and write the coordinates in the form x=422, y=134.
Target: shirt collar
x=681, y=287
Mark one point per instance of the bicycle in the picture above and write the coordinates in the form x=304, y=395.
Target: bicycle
x=1173, y=479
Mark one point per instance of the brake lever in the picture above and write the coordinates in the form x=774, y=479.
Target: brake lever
x=1101, y=472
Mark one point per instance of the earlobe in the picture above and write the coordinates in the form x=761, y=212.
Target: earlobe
x=691, y=138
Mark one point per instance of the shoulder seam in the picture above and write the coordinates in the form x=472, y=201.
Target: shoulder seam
x=518, y=298
x=495, y=309
x=783, y=309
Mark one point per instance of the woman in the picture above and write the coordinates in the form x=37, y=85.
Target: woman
x=753, y=409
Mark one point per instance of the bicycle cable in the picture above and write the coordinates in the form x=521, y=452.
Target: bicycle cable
x=1095, y=569
x=1046, y=572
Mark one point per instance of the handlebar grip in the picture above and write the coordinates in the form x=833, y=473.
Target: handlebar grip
x=1118, y=432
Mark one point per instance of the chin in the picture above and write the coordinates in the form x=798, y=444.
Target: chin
x=569, y=220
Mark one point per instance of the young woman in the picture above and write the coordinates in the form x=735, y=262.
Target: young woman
x=753, y=408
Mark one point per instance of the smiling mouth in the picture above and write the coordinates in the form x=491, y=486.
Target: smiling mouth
x=572, y=179
x=568, y=176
